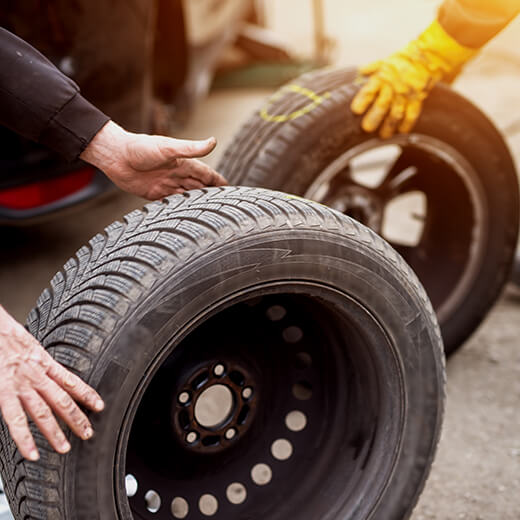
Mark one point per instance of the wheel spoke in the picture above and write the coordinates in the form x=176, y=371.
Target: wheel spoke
x=401, y=175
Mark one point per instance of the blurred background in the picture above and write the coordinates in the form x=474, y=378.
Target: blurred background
x=477, y=471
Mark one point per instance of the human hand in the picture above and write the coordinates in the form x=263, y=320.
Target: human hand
x=398, y=85
x=32, y=382
x=151, y=166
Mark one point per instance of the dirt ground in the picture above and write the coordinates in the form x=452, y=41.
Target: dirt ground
x=476, y=475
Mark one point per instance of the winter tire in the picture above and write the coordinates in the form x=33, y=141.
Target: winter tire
x=315, y=338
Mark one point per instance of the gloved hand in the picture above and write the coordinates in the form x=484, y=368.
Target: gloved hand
x=398, y=85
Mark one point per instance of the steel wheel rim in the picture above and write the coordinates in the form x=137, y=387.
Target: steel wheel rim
x=459, y=166
x=258, y=492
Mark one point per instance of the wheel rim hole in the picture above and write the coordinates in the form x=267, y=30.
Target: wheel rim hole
x=292, y=334
x=200, y=380
x=131, y=485
x=184, y=397
x=153, y=501
x=236, y=493
x=303, y=360
x=302, y=390
x=282, y=449
x=231, y=434
x=180, y=508
x=219, y=370
x=296, y=421
x=208, y=505
x=211, y=440
x=184, y=419
x=247, y=393
x=276, y=313
x=214, y=406
x=237, y=378
x=242, y=416
x=261, y=474
x=191, y=437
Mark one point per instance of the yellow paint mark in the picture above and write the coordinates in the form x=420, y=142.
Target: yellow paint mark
x=296, y=89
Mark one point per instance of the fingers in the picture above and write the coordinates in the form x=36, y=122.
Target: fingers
x=203, y=173
x=366, y=95
x=183, y=148
x=369, y=69
x=395, y=116
x=74, y=386
x=16, y=420
x=45, y=421
x=65, y=407
x=413, y=110
x=379, y=109
x=191, y=184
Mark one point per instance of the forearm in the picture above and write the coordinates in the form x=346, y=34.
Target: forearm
x=474, y=22
x=42, y=104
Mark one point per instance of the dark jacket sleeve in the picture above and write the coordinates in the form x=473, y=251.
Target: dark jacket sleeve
x=474, y=22
x=40, y=103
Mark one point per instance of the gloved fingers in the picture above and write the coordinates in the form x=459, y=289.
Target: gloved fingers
x=369, y=69
x=412, y=113
x=379, y=109
x=394, y=118
x=366, y=95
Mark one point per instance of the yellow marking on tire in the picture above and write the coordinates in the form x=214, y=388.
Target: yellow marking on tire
x=296, y=89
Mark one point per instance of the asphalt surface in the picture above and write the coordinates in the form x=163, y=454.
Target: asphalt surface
x=476, y=475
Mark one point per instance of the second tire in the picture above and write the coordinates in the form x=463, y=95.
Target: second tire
x=445, y=196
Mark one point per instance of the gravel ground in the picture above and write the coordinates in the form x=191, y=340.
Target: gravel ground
x=476, y=475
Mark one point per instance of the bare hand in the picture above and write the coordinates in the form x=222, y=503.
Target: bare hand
x=151, y=166
x=32, y=382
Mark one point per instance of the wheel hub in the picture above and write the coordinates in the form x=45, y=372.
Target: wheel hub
x=362, y=204
x=214, y=407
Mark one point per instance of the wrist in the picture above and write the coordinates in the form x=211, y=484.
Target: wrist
x=443, y=52
x=106, y=147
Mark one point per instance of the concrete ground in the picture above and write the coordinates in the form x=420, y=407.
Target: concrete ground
x=476, y=475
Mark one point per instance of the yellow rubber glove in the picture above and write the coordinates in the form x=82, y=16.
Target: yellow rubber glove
x=398, y=85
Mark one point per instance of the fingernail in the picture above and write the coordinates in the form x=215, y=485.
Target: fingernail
x=34, y=455
x=100, y=405
x=88, y=433
x=65, y=447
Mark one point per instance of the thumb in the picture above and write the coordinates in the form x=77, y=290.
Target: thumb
x=186, y=148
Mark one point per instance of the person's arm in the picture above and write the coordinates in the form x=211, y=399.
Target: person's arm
x=391, y=98
x=40, y=103
x=474, y=22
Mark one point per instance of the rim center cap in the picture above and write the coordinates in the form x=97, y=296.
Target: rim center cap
x=214, y=406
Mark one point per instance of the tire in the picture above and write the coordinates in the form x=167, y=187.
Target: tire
x=464, y=183
x=317, y=329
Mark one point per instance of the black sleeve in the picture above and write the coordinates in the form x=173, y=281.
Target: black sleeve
x=474, y=22
x=42, y=104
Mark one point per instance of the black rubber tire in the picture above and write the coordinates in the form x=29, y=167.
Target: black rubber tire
x=289, y=156
x=137, y=292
